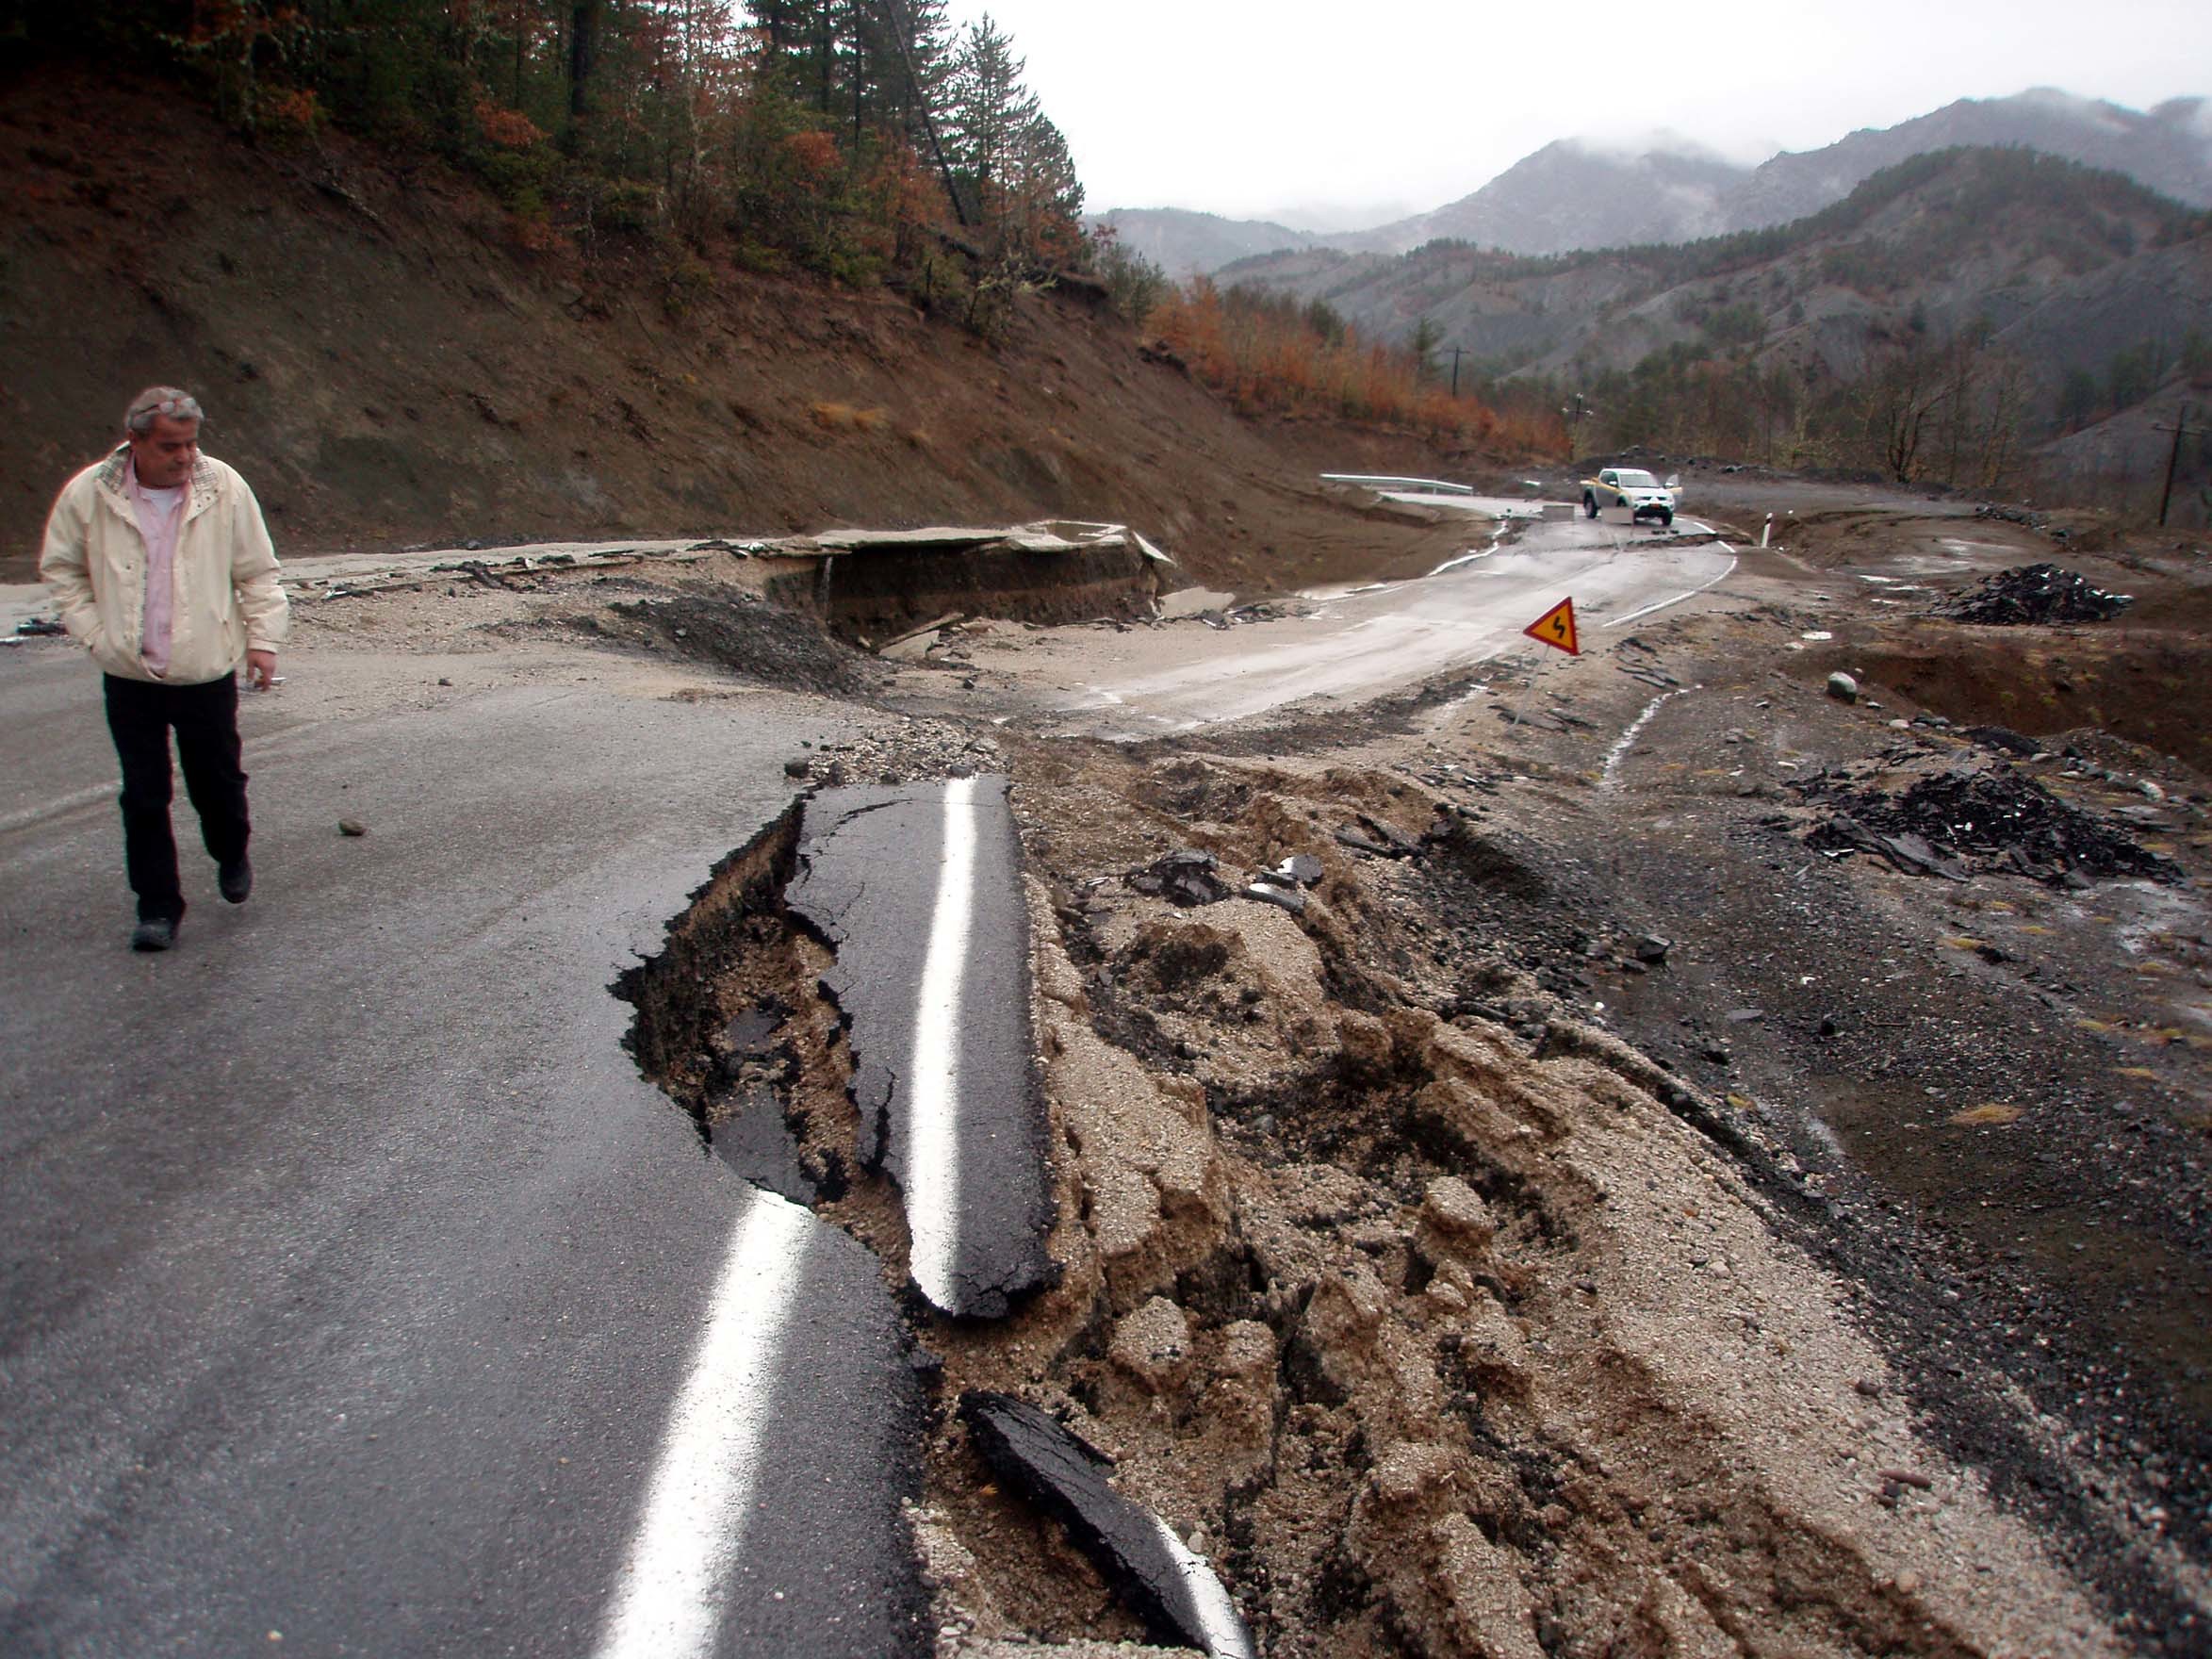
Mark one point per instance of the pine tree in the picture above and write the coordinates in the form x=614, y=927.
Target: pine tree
x=988, y=111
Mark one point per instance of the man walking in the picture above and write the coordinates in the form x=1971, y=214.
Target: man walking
x=161, y=566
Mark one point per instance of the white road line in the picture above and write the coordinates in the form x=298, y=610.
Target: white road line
x=666, y=1602
x=1218, y=1618
x=933, y=1150
x=1612, y=756
x=1678, y=598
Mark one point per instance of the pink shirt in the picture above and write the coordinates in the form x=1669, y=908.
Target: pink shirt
x=161, y=515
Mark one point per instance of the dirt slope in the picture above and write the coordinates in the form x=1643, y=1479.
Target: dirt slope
x=387, y=366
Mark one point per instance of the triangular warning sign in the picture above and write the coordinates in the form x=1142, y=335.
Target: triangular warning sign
x=1556, y=627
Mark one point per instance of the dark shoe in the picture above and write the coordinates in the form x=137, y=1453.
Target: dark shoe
x=153, y=933
x=234, y=881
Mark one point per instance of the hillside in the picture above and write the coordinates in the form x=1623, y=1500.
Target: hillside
x=2168, y=150
x=1575, y=194
x=389, y=365
x=1948, y=322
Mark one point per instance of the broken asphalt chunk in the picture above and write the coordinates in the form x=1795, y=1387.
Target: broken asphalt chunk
x=1361, y=842
x=1399, y=842
x=917, y=890
x=1299, y=870
x=1185, y=877
x=1166, y=1585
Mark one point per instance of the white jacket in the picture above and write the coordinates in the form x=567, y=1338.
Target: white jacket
x=228, y=599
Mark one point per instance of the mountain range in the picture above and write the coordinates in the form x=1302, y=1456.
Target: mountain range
x=1577, y=194
x=2074, y=263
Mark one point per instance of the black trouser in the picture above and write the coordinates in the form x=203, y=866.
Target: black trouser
x=206, y=718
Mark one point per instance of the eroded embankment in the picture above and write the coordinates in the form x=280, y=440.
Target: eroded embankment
x=878, y=594
x=1413, y=1304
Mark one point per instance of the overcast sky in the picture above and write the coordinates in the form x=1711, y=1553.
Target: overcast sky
x=1255, y=109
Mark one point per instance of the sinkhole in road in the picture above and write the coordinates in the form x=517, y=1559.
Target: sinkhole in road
x=731, y=1024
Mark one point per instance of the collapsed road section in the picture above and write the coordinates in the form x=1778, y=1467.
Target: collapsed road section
x=932, y=975
x=895, y=910
x=899, y=912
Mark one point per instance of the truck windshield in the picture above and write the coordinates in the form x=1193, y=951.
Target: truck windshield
x=1637, y=479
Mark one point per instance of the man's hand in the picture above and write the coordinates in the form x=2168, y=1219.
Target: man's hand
x=260, y=669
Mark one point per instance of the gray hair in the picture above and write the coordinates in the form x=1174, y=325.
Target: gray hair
x=157, y=400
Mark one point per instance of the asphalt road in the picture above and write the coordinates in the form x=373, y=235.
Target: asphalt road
x=1370, y=640
x=351, y=1280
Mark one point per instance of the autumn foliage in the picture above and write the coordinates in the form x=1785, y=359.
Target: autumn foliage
x=858, y=142
x=1267, y=351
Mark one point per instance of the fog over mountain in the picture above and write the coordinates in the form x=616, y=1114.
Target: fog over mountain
x=1578, y=193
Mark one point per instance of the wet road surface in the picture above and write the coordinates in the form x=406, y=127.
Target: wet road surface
x=1368, y=641
x=919, y=891
x=353, y=1282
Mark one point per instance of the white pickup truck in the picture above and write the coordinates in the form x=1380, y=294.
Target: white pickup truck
x=1626, y=487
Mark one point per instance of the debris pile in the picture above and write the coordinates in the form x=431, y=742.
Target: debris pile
x=2035, y=593
x=1956, y=823
x=739, y=633
x=1185, y=877
x=2027, y=518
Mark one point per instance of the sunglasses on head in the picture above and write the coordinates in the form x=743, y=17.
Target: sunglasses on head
x=170, y=408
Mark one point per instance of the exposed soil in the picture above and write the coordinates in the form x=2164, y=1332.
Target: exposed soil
x=428, y=379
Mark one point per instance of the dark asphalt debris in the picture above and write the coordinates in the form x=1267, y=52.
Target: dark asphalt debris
x=1184, y=876
x=755, y=641
x=1954, y=824
x=2035, y=594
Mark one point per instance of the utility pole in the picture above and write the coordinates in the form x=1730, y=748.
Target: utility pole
x=2180, y=425
x=1576, y=413
x=1455, y=351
